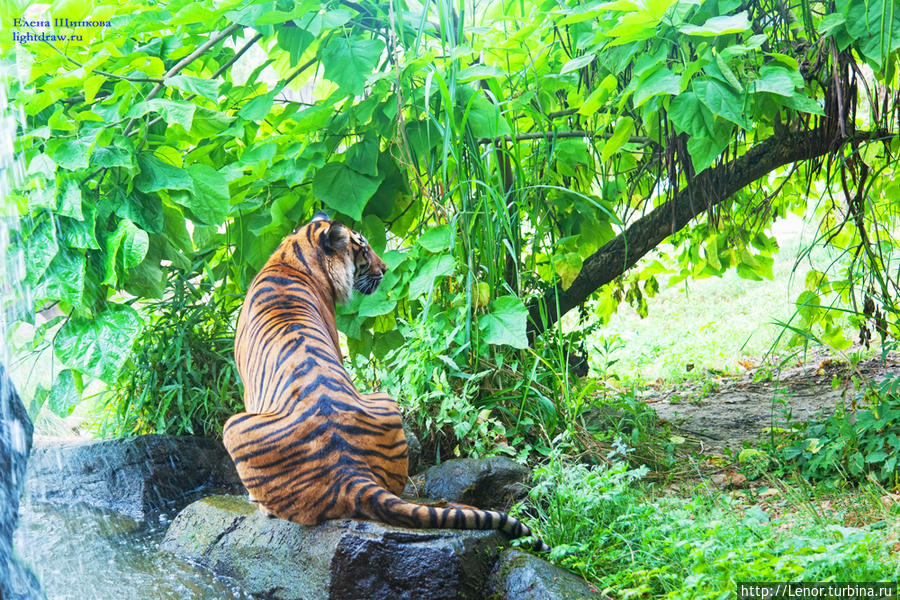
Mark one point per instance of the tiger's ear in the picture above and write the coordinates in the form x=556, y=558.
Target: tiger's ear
x=336, y=237
x=321, y=216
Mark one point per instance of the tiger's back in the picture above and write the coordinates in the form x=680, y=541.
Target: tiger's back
x=310, y=447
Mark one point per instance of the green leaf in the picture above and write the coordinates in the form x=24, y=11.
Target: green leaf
x=174, y=112
x=42, y=247
x=803, y=103
x=829, y=23
x=71, y=154
x=721, y=100
x=578, y=62
x=624, y=129
x=258, y=107
x=131, y=242
x=91, y=86
x=704, y=150
x=505, y=323
x=376, y=304
x=195, y=12
x=210, y=201
x=317, y=21
x=64, y=394
x=437, y=239
x=98, y=346
x=111, y=156
x=79, y=234
x=660, y=81
x=483, y=117
x=567, y=266
x=42, y=165
x=295, y=40
x=690, y=116
x=720, y=25
x=775, y=80
x=349, y=61
x=362, y=157
x=157, y=175
x=258, y=153
x=64, y=277
x=70, y=201
x=145, y=210
x=195, y=85
x=478, y=72
x=343, y=189
x=876, y=456
x=436, y=266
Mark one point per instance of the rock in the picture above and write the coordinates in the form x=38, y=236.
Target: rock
x=139, y=477
x=413, y=446
x=339, y=560
x=521, y=576
x=16, y=582
x=495, y=483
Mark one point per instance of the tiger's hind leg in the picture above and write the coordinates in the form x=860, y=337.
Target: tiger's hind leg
x=261, y=508
x=390, y=466
x=243, y=437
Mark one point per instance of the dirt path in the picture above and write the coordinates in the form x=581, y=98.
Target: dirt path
x=739, y=410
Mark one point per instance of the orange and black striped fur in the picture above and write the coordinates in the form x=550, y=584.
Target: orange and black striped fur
x=310, y=447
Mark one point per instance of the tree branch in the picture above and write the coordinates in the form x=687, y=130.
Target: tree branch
x=707, y=189
x=540, y=135
x=184, y=62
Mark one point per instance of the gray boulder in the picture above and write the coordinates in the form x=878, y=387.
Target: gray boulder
x=495, y=483
x=520, y=576
x=140, y=477
x=16, y=582
x=337, y=560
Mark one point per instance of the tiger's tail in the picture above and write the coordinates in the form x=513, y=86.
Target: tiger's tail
x=382, y=505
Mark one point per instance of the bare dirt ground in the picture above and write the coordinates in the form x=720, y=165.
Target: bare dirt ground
x=725, y=412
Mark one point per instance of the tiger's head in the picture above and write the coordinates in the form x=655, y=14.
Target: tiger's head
x=349, y=260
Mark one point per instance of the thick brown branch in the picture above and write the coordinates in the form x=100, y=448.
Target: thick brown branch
x=707, y=189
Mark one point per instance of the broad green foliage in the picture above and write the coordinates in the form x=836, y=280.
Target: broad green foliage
x=486, y=152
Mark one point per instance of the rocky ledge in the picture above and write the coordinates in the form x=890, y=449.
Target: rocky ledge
x=140, y=476
x=339, y=560
x=521, y=576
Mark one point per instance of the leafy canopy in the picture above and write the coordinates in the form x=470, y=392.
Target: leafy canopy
x=498, y=147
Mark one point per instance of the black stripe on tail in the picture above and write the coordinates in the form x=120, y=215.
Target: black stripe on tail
x=393, y=510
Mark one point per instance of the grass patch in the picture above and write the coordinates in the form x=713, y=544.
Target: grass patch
x=610, y=528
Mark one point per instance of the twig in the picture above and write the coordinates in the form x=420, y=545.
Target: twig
x=538, y=135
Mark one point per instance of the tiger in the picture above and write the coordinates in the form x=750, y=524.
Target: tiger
x=309, y=446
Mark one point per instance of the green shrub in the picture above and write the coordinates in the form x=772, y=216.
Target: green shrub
x=181, y=378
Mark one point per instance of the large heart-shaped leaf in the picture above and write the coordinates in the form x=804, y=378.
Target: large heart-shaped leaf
x=344, y=189
x=349, y=61
x=98, y=346
x=505, y=323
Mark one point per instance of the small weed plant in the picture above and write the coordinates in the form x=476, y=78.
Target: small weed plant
x=852, y=445
x=428, y=376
